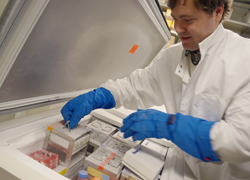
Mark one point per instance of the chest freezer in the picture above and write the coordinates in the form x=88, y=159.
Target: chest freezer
x=54, y=50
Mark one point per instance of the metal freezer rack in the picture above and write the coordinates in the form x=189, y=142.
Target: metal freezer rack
x=67, y=143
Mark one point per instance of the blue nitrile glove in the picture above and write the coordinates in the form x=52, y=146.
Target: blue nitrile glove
x=82, y=105
x=188, y=133
x=146, y=124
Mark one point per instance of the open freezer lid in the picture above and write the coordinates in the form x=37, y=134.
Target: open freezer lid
x=57, y=49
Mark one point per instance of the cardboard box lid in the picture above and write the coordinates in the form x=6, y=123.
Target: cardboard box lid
x=143, y=162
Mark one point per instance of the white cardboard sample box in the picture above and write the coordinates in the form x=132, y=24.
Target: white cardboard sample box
x=108, y=117
x=163, y=142
x=116, y=145
x=127, y=174
x=101, y=131
x=102, y=127
x=143, y=162
x=158, y=149
x=104, y=163
x=129, y=141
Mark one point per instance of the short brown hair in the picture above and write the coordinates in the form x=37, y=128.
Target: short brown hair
x=208, y=6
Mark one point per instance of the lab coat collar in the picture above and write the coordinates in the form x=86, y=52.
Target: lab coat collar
x=204, y=46
x=211, y=40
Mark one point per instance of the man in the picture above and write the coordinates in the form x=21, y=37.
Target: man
x=204, y=83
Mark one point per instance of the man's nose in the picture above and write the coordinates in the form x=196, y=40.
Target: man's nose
x=179, y=28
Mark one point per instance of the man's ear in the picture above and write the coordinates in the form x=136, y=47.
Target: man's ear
x=219, y=12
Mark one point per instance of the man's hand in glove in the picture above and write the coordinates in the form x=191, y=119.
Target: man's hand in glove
x=188, y=133
x=82, y=105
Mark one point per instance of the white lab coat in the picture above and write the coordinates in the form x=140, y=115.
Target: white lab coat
x=219, y=90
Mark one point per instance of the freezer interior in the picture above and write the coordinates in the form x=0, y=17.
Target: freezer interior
x=23, y=136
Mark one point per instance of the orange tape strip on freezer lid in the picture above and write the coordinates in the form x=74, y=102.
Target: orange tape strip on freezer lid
x=106, y=161
x=133, y=49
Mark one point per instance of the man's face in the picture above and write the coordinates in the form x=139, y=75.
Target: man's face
x=194, y=25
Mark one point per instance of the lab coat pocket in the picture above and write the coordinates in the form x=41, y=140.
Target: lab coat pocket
x=209, y=107
x=216, y=171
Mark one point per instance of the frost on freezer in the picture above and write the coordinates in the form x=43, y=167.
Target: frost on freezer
x=46, y=158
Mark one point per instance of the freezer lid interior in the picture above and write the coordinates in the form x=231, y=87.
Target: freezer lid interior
x=77, y=45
